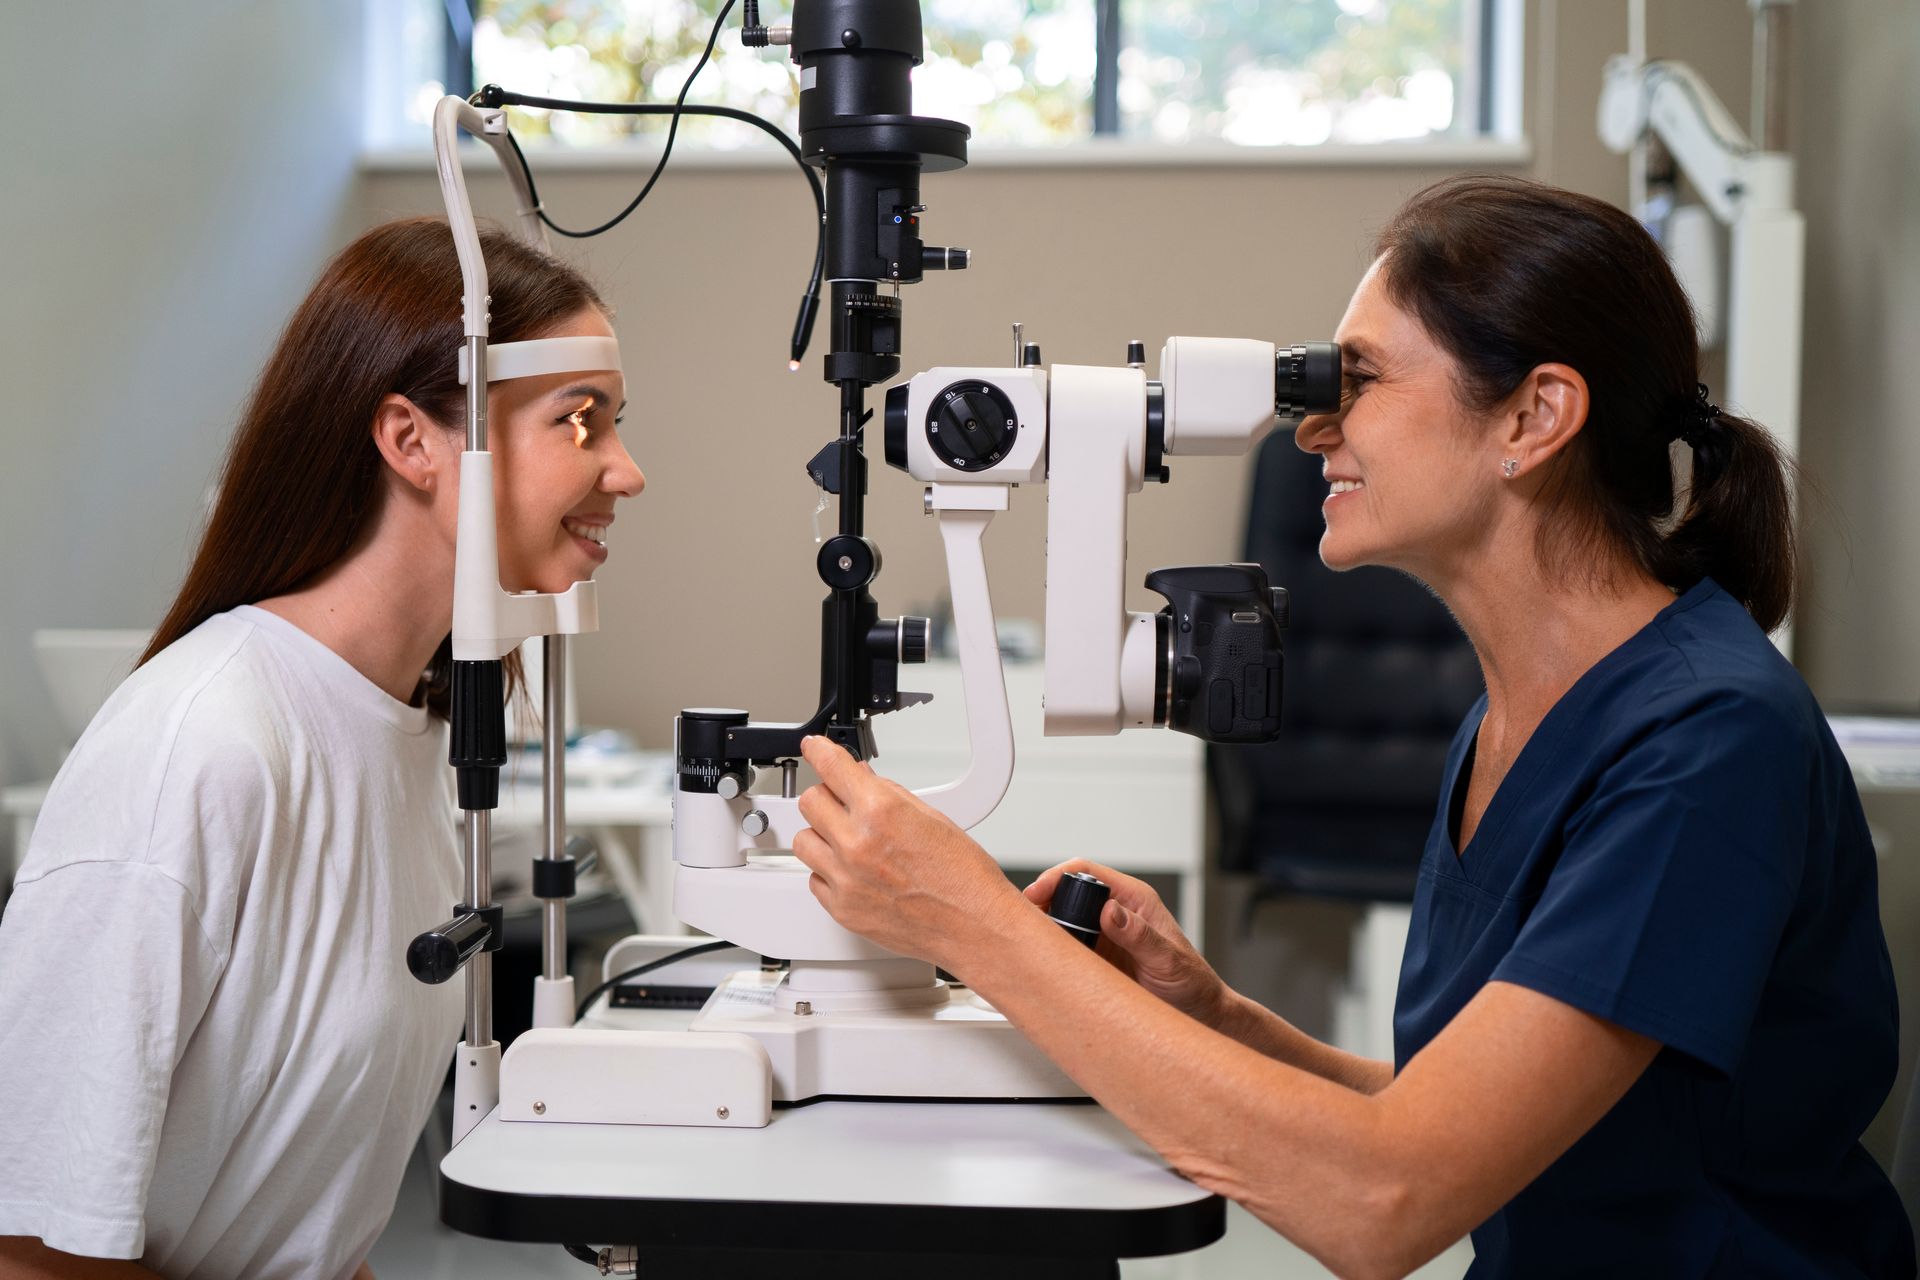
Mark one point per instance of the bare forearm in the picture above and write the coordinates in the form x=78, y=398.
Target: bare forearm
x=1304, y=1153
x=1266, y=1032
x=26, y=1258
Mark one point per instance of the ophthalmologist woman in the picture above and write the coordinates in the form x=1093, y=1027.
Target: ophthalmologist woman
x=1646, y=1008
x=213, y=1061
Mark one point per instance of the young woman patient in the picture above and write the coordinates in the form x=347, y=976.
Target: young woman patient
x=214, y=1060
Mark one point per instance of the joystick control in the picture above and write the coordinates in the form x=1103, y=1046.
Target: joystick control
x=1077, y=902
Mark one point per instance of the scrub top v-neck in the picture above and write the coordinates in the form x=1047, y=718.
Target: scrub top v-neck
x=1679, y=849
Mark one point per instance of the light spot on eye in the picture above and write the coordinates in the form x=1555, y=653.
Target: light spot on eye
x=579, y=420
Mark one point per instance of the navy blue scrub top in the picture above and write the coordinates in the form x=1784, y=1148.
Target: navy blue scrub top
x=1679, y=849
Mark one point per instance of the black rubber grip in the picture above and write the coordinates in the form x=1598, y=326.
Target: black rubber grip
x=437, y=955
x=478, y=716
x=553, y=877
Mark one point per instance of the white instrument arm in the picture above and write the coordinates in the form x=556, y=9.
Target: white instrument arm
x=1670, y=100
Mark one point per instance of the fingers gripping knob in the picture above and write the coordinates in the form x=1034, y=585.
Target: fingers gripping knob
x=1077, y=903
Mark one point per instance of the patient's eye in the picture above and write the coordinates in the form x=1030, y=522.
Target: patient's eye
x=578, y=419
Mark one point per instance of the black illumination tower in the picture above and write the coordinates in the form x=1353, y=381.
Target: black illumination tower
x=857, y=125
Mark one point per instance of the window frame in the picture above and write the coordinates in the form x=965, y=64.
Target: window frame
x=1493, y=78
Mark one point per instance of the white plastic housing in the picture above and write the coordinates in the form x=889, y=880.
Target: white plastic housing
x=1219, y=394
x=954, y=1047
x=765, y=906
x=553, y=1002
x=451, y=115
x=1025, y=389
x=563, y=1076
x=1096, y=457
x=476, y=1085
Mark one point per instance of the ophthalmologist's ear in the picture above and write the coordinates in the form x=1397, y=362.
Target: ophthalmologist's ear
x=1544, y=414
x=406, y=438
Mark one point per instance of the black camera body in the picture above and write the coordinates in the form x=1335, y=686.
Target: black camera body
x=1221, y=660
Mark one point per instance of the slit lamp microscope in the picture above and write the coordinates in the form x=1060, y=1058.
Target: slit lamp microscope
x=845, y=1018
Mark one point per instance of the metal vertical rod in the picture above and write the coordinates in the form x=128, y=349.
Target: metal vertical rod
x=479, y=970
x=476, y=394
x=553, y=775
x=1637, y=156
x=1767, y=120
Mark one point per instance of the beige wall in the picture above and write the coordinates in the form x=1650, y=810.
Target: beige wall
x=1857, y=136
x=710, y=595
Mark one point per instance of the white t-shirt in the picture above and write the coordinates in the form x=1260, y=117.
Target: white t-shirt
x=212, y=1056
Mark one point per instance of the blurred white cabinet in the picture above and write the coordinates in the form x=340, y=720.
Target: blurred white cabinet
x=1135, y=801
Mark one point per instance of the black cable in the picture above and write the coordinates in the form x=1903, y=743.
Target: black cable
x=648, y=967
x=673, y=129
x=494, y=96
x=589, y=1256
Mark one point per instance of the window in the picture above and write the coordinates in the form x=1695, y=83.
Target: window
x=1023, y=73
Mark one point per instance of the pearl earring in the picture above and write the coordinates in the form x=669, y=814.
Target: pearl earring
x=1509, y=467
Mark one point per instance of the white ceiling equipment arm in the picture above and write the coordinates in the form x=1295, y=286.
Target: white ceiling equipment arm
x=1748, y=190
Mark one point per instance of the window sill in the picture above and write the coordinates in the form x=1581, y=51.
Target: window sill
x=1488, y=153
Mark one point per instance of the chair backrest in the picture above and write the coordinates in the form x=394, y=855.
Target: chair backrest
x=1377, y=678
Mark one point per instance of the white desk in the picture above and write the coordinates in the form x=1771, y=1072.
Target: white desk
x=841, y=1189
x=868, y=1189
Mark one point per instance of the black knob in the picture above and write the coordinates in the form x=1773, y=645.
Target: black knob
x=1077, y=902
x=847, y=562
x=701, y=740
x=936, y=258
x=1136, y=352
x=913, y=639
x=896, y=424
x=1030, y=356
x=437, y=955
x=1280, y=606
x=971, y=425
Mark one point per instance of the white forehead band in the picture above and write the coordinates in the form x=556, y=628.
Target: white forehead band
x=547, y=355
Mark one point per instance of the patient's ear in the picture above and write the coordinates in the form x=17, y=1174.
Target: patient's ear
x=407, y=440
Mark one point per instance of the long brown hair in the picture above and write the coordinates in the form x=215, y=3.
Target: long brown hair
x=303, y=476
x=1507, y=275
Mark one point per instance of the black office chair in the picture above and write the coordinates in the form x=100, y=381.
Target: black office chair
x=1377, y=679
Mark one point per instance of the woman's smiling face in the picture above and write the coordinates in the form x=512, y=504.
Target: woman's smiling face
x=559, y=468
x=1413, y=474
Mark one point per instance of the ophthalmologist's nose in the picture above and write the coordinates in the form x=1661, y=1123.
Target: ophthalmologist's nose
x=1318, y=432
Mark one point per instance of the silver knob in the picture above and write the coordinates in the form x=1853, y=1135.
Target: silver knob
x=755, y=823
x=729, y=786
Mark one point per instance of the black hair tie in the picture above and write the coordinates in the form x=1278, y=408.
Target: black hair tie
x=1699, y=418
x=1700, y=426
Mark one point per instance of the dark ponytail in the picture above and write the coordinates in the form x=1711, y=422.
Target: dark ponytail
x=1507, y=275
